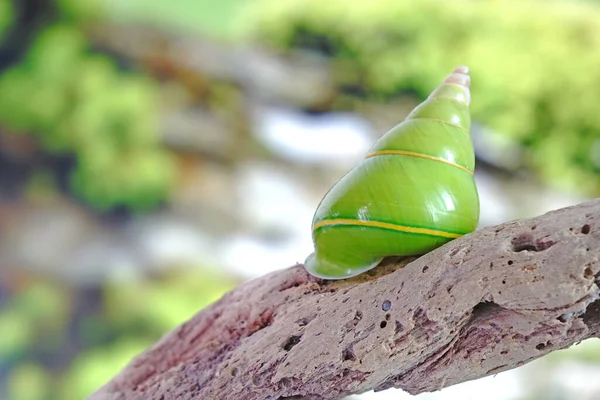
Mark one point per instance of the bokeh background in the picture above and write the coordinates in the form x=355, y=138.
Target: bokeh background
x=155, y=154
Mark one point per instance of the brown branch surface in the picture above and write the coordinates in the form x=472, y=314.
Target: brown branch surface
x=487, y=302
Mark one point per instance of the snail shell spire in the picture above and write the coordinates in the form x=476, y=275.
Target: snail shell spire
x=413, y=192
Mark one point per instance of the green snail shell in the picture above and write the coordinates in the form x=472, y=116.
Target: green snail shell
x=413, y=192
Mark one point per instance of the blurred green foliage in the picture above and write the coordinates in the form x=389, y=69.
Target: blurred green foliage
x=127, y=304
x=80, y=103
x=76, y=102
x=36, y=315
x=28, y=381
x=5, y=16
x=206, y=17
x=94, y=367
x=535, y=65
x=83, y=10
x=64, y=344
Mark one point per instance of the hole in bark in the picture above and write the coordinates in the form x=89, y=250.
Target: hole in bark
x=386, y=305
x=425, y=268
x=484, y=307
x=303, y=321
x=591, y=317
x=588, y=273
x=533, y=228
x=510, y=262
x=541, y=246
x=504, y=352
x=504, y=282
x=563, y=318
x=291, y=342
x=523, y=242
x=526, y=242
x=235, y=371
x=291, y=284
x=542, y=346
x=348, y=354
x=399, y=327
x=265, y=319
x=585, y=229
x=387, y=317
x=383, y=324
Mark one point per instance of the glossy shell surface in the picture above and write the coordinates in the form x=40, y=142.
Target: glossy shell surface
x=413, y=192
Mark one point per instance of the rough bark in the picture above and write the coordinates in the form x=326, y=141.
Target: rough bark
x=487, y=302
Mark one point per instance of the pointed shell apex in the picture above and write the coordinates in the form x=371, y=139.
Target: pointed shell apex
x=460, y=76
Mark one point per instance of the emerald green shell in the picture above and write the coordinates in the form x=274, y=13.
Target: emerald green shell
x=413, y=192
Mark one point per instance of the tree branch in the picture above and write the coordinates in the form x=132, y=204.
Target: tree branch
x=484, y=303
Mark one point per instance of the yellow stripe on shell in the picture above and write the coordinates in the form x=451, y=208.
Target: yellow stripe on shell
x=419, y=155
x=386, y=225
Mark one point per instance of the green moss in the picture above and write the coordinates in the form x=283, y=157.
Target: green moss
x=78, y=103
x=534, y=64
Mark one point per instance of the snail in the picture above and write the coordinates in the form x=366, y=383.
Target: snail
x=413, y=192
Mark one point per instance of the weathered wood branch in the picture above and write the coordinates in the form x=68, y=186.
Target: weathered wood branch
x=487, y=302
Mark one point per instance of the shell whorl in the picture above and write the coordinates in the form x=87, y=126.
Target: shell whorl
x=459, y=77
x=447, y=105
